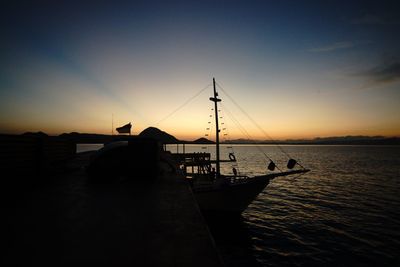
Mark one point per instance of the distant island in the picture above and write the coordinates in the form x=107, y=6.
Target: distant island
x=334, y=140
x=166, y=138
x=89, y=138
x=202, y=140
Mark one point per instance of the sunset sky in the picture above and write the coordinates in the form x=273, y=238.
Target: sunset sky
x=300, y=69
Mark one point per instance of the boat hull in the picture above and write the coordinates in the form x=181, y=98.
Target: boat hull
x=230, y=198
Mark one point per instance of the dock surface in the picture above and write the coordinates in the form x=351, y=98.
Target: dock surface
x=67, y=220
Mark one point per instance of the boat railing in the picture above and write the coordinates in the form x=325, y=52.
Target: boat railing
x=237, y=179
x=199, y=181
x=191, y=157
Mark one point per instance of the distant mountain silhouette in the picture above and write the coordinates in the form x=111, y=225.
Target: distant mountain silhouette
x=90, y=138
x=87, y=138
x=242, y=141
x=357, y=140
x=167, y=138
x=152, y=132
x=333, y=140
x=36, y=134
x=203, y=140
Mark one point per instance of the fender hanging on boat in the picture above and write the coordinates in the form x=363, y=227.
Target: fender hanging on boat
x=271, y=166
x=291, y=163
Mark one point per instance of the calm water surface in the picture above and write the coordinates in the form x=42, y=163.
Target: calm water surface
x=87, y=147
x=345, y=212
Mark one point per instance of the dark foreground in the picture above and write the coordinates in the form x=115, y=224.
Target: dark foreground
x=66, y=220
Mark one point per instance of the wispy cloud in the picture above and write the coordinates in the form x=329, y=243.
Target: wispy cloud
x=385, y=73
x=333, y=47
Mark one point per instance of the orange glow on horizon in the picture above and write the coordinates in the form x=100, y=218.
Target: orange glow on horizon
x=191, y=135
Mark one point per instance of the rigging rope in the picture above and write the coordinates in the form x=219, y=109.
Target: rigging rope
x=241, y=128
x=235, y=164
x=252, y=120
x=184, y=104
x=256, y=124
x=208, y=131
x=246, y=133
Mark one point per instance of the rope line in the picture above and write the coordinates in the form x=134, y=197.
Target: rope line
x=225, y=132
x=257, y=125
x=246, y=133
x=184, y=104
x=253, y=121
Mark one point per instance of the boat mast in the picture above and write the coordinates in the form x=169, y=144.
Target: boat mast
x=216, y=100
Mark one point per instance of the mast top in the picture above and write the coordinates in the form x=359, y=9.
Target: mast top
x=215, y=99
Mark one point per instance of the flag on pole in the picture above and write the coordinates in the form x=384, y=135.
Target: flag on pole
x=125, y=129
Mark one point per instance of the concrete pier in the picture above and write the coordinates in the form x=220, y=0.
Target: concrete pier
x=66, y=220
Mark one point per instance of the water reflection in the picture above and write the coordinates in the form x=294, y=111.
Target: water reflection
x=233, y=240
x=344, y=212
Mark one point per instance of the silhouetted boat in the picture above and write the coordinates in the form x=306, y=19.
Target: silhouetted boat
x=220, y=193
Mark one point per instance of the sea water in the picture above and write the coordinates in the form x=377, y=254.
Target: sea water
x=87, y=147
x=345, y=212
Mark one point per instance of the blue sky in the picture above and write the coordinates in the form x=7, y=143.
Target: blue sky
x=301, y=68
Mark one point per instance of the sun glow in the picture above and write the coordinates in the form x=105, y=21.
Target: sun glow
x=139, y=66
